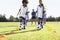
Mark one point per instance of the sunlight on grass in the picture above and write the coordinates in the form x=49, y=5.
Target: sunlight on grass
x=30, y=33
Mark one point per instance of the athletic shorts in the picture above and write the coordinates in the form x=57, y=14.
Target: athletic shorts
x=40, y=18
x=22, y=18
x=33, y=17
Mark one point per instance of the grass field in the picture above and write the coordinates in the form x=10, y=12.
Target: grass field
x=30, y=33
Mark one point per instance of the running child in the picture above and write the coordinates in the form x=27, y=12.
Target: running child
x=23, y=12
x=40, y=10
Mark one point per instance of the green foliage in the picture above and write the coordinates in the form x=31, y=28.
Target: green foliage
x=13, y=19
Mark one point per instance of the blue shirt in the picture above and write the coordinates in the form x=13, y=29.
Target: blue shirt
x=33, y=13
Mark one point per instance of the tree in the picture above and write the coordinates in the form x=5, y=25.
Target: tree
x=17, y=20
x=58, y=19
x=3, y=18
x=50, y=18
x=11, y=19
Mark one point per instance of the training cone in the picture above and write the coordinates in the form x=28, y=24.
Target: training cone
x=49, y=26
x=2, y=36
x=12, y=32
x=17, y=29
x=54, y=31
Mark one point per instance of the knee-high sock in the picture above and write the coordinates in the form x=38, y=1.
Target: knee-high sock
x=41, y=22
x=24, y=23
x=20, y=23
x=38, y=24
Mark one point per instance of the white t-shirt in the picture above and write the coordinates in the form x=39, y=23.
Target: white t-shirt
x=40, y=11
x=23, y=11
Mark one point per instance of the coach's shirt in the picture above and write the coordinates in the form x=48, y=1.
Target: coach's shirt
x=23, y=11
x=40, y=11
x=33, y=13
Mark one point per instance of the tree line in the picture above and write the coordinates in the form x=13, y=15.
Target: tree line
x=15, y=19
x=11, y=19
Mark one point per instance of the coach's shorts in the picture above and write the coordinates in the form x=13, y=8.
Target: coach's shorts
x=33, y=17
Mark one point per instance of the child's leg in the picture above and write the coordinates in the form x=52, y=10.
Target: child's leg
x=20, y=27
x=24, y=23
x=38, y=23
x=26, y=20
x=39, y=26
x=41, y=23
x=44, y=21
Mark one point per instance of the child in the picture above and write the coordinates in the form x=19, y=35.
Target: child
x=40, y=10
x=23, y=12
x=44, y=17
x=33, y=16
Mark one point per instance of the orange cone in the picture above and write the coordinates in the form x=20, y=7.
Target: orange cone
x=2, y=36
x=54, y=31
x=12, y=32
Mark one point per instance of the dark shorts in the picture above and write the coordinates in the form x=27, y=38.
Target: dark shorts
x=33, y=17
x=40, y=18
x=22, y=18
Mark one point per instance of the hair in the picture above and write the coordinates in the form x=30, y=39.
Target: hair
x=25, y=1
x=40, y=0
x=42, y=4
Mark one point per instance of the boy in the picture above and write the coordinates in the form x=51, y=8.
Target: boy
x=40, y=10
x=33, y=16
x=23, y=13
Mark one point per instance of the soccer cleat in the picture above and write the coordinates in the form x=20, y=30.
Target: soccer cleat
x=41, y=26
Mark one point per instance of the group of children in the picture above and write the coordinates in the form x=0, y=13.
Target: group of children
x=39, y=14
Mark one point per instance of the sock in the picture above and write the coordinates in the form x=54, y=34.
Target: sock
x=38, y=24
x=24, y=23
x=41, y=25
x=20, y=24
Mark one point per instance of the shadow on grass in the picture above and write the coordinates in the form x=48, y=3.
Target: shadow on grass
x=22, y=32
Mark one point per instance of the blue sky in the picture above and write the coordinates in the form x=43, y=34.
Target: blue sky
x=11, y=7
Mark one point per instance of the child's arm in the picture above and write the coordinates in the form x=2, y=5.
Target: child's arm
x=18, y=11
x=37, y=12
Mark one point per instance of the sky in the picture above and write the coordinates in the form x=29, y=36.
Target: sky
x=11, y=7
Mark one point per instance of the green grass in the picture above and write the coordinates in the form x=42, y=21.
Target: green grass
x=30, y=33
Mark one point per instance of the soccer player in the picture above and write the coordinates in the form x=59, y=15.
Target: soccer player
x=40, y=10
x=23, y=13
x=33, y=16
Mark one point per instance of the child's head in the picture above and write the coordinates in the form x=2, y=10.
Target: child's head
x=40, y=2
x=33, y=10
x=25, y=2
